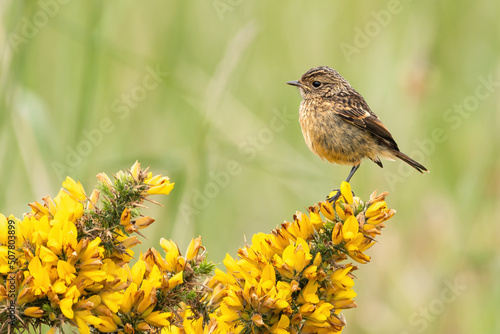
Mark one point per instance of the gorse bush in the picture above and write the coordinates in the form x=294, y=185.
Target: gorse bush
x=68, y=263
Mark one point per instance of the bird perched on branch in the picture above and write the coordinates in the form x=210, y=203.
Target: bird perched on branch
x=338, y=124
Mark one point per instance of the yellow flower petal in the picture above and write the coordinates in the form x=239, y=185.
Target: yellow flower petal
x=47, y=256
x=159, y=319
x=308, y=293
x=162, y=189
x=107, y=324
x=125, y=217
x=34, y=312
x=66, y=306
x=94, y=198
x=345, y=190
x=375, y=208
x=193, y=248
x=74, y=188
x=175, y=280
x=134, y=170
x=257, y=320
x=350, y=228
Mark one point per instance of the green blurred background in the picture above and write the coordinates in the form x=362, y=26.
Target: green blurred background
x=196, y=90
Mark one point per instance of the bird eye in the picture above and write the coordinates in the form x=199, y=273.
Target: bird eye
x=316, y=84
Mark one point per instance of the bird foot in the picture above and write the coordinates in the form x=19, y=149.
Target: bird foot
x=334, y=198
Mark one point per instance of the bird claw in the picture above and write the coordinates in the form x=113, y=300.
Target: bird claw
x=335, y=197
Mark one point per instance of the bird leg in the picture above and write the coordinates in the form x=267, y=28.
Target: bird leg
x=353, y=170
x=337, y=195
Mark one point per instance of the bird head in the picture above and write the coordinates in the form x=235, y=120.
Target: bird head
x=320, y=81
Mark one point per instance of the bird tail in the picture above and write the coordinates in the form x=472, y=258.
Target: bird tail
x=410, y=161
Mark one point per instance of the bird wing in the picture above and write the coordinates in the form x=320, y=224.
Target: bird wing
x=354, y=109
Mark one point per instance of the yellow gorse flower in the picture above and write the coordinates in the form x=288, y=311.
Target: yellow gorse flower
x=75, y=189
x=67, y=262
x=76, y=260
x=291, y=281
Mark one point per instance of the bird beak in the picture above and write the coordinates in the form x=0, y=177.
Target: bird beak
x=295, y=83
